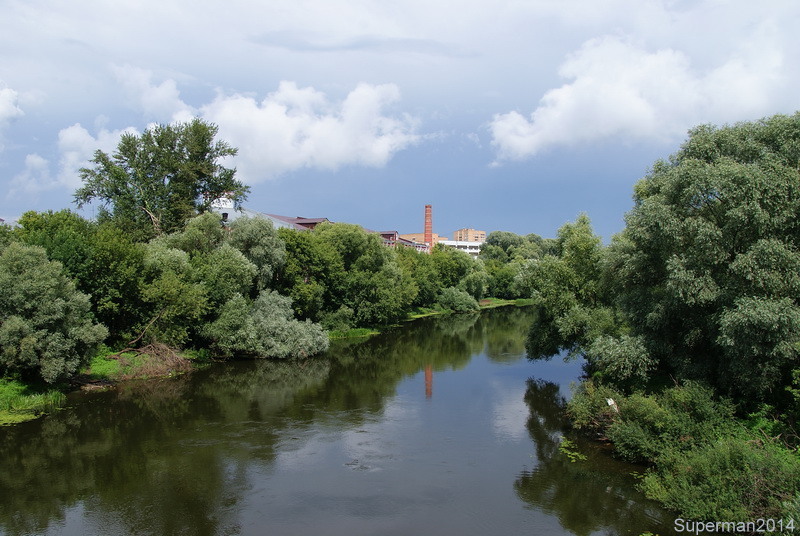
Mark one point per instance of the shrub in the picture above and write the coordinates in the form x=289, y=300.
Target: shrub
x=264, y=328
x=46, y=327
x=457, y=300
x=733, y=478
x=339, y=320
x=703, y=465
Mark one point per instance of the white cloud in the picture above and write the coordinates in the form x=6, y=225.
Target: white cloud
x=8, y=105
x=77, y=146
x=34, y=178
x=295, y=128
x=160, y=102
x=619, y=88
x=9, y=108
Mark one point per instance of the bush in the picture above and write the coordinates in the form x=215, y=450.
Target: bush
x=732, y=478
x=703, y=465
x=46, y=327
x=339, y=320
x=264, y=328
x=457, y=300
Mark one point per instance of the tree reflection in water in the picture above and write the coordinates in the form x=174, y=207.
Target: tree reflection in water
x=152, y=457
x=588, y=496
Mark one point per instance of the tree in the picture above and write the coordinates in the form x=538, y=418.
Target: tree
x=46, y=327
x=311, y=274
x=707, y=267
x=573, y=306
x=155, y=181
x=371, y=281
x=264, y=328
x=102, y=259
x=176, y=303
x=258, y=240
x=65, y=235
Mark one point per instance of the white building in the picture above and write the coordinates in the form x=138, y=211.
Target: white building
x=473, y=248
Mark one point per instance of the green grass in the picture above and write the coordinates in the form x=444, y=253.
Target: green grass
x=20, y=402
x=490, y=303
x=352, y=333
x=421, y=312
x=110, y=369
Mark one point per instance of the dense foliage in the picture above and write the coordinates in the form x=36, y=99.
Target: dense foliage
x=707, y=268
x=696, y=299
x=155, y=181
x=46, y=328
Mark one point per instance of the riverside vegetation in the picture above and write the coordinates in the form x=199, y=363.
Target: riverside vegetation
x=688, y=320
x=157, y=279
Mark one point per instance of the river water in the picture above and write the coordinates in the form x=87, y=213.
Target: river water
x=440, y=426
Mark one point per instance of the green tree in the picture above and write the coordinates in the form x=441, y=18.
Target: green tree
x=372, y=282
x=155, y=181
x=102, y=259
x=453, y=265
x=264, y=328
x=176, y=302
x=258, y=240
x=311, y=274
x=224, y=272
x=65, y=235
x=707, y=267
x=421, y=268
x=46, y=327
x=574, y=306
x=114, y=284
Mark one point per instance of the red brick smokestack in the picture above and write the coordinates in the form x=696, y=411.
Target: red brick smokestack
x=428, y=227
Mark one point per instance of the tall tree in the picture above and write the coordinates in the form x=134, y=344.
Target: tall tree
x=707, y=267
x=155, y=181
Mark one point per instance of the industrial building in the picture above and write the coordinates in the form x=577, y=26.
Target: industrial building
x=469, y=235
x=467, y=240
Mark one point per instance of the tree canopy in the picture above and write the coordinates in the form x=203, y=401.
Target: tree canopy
x=156, y=181
x=46, y=327
x=707, y=267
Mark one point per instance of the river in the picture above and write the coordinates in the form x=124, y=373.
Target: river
x=440, y=426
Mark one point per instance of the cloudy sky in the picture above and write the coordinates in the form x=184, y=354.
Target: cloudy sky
x=504, y=115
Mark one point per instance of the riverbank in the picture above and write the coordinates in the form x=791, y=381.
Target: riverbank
x=20, y=402
x=424, y=312
x=705, y=462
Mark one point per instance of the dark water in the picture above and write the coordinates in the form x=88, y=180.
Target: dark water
x=438, y=427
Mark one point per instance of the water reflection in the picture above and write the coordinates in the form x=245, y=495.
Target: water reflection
x=386, y=435
x=588, y=496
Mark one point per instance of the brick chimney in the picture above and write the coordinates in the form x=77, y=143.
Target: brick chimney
x=428, y=227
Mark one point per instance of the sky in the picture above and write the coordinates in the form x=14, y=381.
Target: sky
x=505, y=115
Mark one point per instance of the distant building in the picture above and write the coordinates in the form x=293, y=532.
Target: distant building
x=420, y=238
x=392, y=239
x=229, y=213
x=473, y=248
x=225, y=208
x=469, y=235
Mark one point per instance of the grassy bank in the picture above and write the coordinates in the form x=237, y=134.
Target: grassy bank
x=151, y=361
x=20, y=402
x=354, y=333
x=704, y=462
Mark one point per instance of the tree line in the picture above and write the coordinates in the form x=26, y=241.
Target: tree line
x=689, y=322
x=157, y=266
